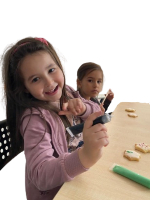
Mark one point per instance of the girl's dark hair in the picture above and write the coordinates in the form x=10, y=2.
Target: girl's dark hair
x=14, y=91
x=87, y=68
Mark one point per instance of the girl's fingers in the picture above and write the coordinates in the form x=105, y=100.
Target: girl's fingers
x=112, y=93
x=77, y=109
x=97, y=128
x=73, y=106
x=106, y=142
x=89, y=121
x=103, y=140
x=65, y=106
x=100, y=135
x=64, y=112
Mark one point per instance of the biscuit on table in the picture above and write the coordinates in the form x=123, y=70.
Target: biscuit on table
x=131, y=155
x=145, y=148
x=132, y=115
x=130, y=110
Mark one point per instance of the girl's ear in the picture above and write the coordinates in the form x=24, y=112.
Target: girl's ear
x=78, y=83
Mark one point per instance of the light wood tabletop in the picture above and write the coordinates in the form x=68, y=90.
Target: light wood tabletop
x=101, y=183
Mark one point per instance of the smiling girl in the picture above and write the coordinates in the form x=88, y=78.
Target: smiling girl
x=39, y=107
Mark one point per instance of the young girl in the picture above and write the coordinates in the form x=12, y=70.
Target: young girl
x=39, y=106
x=90, y=83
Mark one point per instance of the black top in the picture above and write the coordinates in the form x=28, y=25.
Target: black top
x=106, y=102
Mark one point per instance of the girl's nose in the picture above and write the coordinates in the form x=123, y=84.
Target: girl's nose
x=49, y=82
x=95, y=84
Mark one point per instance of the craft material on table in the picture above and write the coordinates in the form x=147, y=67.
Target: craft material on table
x=131, y=175
x=98, y=182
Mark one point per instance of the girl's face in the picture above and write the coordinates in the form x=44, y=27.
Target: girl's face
x=91, y=84
x=43, y=79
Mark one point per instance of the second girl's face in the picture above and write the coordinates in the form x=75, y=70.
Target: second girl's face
x=91, y=84
x=43, y=79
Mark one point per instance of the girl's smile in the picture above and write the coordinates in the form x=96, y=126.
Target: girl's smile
x=52, y=92
x=43, y=79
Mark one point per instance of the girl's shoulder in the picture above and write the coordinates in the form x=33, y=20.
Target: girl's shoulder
x=34, y=111
x=41, y=112
x=72, y=92
x=69, y=89
x=41, y=116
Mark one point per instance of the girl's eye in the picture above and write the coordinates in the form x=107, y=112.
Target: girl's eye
x=35, y=80
x=51, y=70
x=98, y=82
x=89, y=80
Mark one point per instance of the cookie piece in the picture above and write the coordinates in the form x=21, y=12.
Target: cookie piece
x=131, y=155
x=130, y=110
x=132, y=115
x=145, y=148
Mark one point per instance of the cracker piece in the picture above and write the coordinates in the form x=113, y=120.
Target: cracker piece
x=145, y=148
x=131, y=155
x=132, y=115
x=130, y=110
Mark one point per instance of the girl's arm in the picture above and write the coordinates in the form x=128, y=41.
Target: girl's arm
x=102, y=109
x=95, y=138
x=108, y=100
x=79, y=106
x=48, y=162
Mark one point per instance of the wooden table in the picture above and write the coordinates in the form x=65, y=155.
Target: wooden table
x=99, y=183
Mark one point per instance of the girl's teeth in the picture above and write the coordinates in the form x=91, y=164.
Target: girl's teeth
x=51, y=91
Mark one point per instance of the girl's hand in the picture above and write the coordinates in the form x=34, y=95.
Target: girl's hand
x=102, y=108
x=110, y=95
x=95, y=138
x=73, y=106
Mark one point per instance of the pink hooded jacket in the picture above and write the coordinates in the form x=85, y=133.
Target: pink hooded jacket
x=48, y=163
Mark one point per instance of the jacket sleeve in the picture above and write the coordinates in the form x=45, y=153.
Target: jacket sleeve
x=43, y=169
x=107, y=104
x=91, y=106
